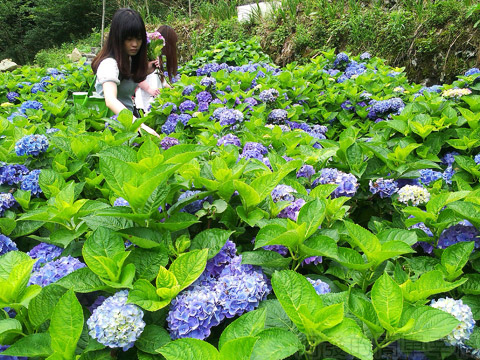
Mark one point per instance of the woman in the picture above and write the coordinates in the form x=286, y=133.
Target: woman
x=149, y=89
x=122, y=62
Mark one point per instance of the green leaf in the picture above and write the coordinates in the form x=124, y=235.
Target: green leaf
x=364, y=310
x=82, y=280
x=189, y=266
x=148, y=150
x=249, y=324
x=147, y=261
x=211, y=239
x=319, y=245
x=252, y=217
x=265, y=258
x=189, y=349
x=275, y=344
x=363, y=238
x=145, y=295
x=35, y=345
x=152, y=338
x=474, y=303
x=349, y=337
x=41, y=307
x=293, y=290
x=406, y=236
x=144, y=237
x=312, y=214
x=277, y=235
x=387, y=299
x=239, y=349
x=9, y=330
x=455, y=257
x=178, y=221
x=248, y=195
x=472, y=286
x=430, y=324
x=66, y=325
x=9, y=260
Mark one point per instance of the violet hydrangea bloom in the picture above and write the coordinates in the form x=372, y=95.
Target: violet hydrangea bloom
x=38, y=87
x=319, y=286
x=6, y=245
x=44, y=253
x=315, y=260
x=115, y=323
x=216, y=264
x=170, y=124
x=347, y=183
x=187, y=105
x=7, y=201
x=278, y=116
x=365, y=56
x=204, y=97
x=383, y=187
x=30, y=183
x=31, y=145
x=168, y=142
x=448, y=174
x=208, y=81
x=203, y=106
x=55, y=270
x=12, y=96
x=282, y=250
x=449, y=158
x=292, y=210
x=253, y=150
x=187, y=90
x=230, y=117
x=193, y=207
x=229, y=139
x=306, y=171
x=120, y=201
x=462, y=313
x=340, y=61
x=456, y=233
x=283, y=193
x=269, y=95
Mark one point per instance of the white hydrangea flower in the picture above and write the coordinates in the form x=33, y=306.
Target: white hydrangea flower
x=452, y=93
x=414, y=193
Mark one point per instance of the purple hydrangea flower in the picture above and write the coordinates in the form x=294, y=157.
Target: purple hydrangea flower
x=251, y=102
x=224, y=257
x=44, y=253
x=456, y=233
x=55, y=270
x=120, y=201
x=341, y=60
x=278, y=116
x=168, y=142
x=218, y=111
x=184, y=118
x=269, y=95
x=187, y=105
x=208, y=81
x=428, y=176
x=193, y=207
x=283, y=193
x=7, y=201
x=202, y=106
x=292, y=210
x=253, y=150
x=383, y=187
x=347, y=183
x=30, y=104
x=187, y=90
x=169, y=126
x=12, y=174
x=448, y=174
x=173, y=105
x=306, y=171
x=426, y=246
x=449, y=158
x=365, y=56
x=230, y=117
x=12, y=96
x=282, y=250
x=319, y=286
x=115, y=323
x=30, y=183
x=229, y=139
x=315, y=260
x=31, y=145
x=347, y=105
x=6, y=245
x=204, y=97
x=38, y=87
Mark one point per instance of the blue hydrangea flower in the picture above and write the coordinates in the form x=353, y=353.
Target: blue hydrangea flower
x=38, y=87
x=184, y=118
x=347, y=105
x=120, y=201
x=428, y=89
x=385, y=107
x=187, y=90
x=193, y=207
x=283, y=193
x=253, y=150
x=251, y=102
x=7, y=201
x=230, y=117
x=292, y=210
x=282, y=250
x=448, y=174
x=173, y=105
x=278, y=116
x=224, y=257
x=115, y=323
x=298, y=125
x=229, y=139
x=187, y=105
x=12, y=96
x=428, y=176
x=15, y=114
x=30, y=104
x=168, y=142
x=204, y=97
x=354, y=69
x=318, y=131
x=319, y=286
x=306, y=171
x=449, y=158
x=31, y=145
x=208, y=81
x=23, y=83
x=255, y=146
x=462, y=313
x=365, y=56
x=30, y=183
x=347, y=183
x=8, y=357
x=341, y=60
x=202, y=106
x=457, y=233
x=55, y=270
x=269, y=95
x=315, y=260
x=169, y=126
x=383, y=187
x=44, y=253
x=472, y=71
x=6, y=245
x=12, y=174
x=218, y=111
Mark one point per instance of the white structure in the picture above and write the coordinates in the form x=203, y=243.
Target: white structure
x=245, y=11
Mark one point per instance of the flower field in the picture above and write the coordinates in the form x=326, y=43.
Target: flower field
x=324, y=211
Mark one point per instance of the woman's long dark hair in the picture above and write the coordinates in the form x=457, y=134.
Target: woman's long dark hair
x=126, y=23
x=169, y=50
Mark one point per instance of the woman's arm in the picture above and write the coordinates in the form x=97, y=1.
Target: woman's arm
x=111, y=100
x=144, y=85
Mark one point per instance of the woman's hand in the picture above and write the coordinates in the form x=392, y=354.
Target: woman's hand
x=153, y=92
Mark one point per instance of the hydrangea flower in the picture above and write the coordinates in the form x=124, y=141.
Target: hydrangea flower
x=208, y=81
x=347, y=105
x=170, y=124
x=253, y=150
x=44, y=253
x=14, y=115
x=187, y=90
x=38, y=87
x=8, y=357
x=319, y=286
x=428, y=176
x=251, y=102
x=472, y=71
x=173, y=105
x=230, y=117
x=278, y=116
x=12, y=96
x=202, y=106
x=315, y=260
x=462, y=313
x=6, y=245
x=456, y=93
x=12, y=174
x=187, y=105
x=30, y=183
x=476, y=159
x=415, y=194
x=224, y=257
x=456, y=233
x=168, y=142
x=31, y=145
x=30, y=104
x=383, y=187
x=282, y=250
x=347, y=183
x=193, y=207
x=448, y=174
x=120, y=201
x=385, y=107
x=51, y=131
x=7, y=201
x=184, y=118
x=204, y=97
x=306, y=171
x=55, y=270
x=269, y=95
x=115, y=323
x=283, y=193
x=229, y=139
x=449, y=158
x=292, y=210
x=365, y=56
x=341, y=60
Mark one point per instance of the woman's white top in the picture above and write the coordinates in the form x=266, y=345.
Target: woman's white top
x=108, y=71
x=143, y=99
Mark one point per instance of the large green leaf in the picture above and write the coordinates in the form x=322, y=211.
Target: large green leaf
x=41, y=307
x=275, y=344
x=455, y=257
x=363, y=238
x=144, y=295
x=152, y=338
x=189, y=349
x=240, y=348
x=249, y=324
x=189, y=266
x=211, y=239
x=387, y=299
x=430, y=324
x=35, y=345
x=312, y=214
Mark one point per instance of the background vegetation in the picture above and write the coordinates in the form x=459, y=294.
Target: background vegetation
x=433, y=40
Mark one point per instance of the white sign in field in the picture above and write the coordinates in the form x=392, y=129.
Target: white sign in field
x=261, y=8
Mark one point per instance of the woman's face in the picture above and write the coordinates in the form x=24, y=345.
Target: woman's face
x=132, y=45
